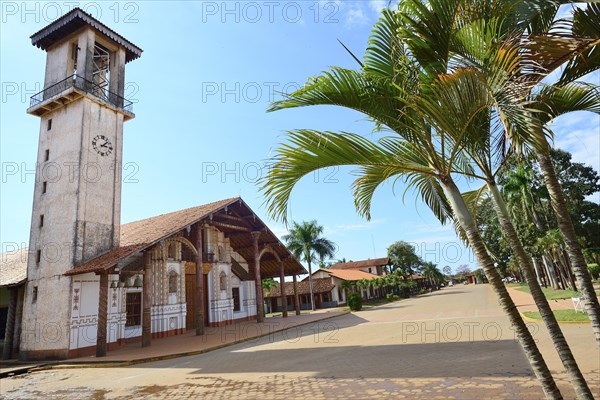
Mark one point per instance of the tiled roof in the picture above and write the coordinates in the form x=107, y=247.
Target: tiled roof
x=74, y=20
x=320, y=285
x=13, y=267
x=350, y=274
x=376, y=262
x=138, y=235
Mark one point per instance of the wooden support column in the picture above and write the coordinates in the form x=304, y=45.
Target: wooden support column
x=18, y=322
x=260, y=312
x=199, y=317
x=146, y=292
x=282, y=285
x=101, y=342
x=10, y=323
x=296, y=299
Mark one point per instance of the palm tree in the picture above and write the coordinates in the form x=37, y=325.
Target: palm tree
x=432, y=274
x=485, y=53
x=517, y=190
x=480, y=150
x=398, y=94
x=574, y=48
x=363, y=284
x=305, y=242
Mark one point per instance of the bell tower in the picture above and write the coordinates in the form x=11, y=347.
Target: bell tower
x=77, y=195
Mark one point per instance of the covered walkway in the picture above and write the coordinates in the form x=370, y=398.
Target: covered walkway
x=213, y=338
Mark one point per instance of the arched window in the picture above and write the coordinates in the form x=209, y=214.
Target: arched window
x=171, y=250
x=173, y=282
x=223, y=281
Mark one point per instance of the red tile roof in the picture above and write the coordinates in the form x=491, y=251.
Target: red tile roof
x=376, y=262
x=13, y=267
x=139, y=235
x=320, y=285
x=349, y=274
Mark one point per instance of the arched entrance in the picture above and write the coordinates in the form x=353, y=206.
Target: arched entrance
x=190, y=293
x=190, y=255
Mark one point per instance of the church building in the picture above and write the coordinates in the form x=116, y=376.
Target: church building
x=91, y=283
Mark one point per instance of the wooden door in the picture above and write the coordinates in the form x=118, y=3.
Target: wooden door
x=190, y=298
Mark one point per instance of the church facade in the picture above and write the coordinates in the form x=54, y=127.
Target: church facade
x=92, y=283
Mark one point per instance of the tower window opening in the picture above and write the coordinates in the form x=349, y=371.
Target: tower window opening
x=34, y=294
x=41, y=220
x=50, y=124
x=46, y=155
x=74, y=51
x=101, y=71
x=44, y=187
x=38, y=256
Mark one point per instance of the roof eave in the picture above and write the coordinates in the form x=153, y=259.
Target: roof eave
x=42, y=40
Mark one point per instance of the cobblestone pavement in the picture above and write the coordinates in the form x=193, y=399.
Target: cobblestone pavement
x=455, y=343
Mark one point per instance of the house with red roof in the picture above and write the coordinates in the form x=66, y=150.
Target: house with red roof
x=374, y=266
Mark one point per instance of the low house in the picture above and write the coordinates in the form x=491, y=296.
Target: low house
x=419, y=280
x=375, y=266
x=338, y=276
x=476, y=277
x=322, y=288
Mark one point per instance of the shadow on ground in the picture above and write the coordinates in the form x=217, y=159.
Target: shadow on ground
x=318, y=349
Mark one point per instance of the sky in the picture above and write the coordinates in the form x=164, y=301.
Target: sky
x=201, y=89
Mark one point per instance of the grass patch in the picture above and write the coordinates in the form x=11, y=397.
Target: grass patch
x=561, y=316
x=551, y=294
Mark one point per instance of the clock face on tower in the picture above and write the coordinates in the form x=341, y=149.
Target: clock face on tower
x=102, y=145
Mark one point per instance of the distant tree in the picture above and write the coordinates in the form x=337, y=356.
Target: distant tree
x=403, y=258
x=306, y=243
x=268, y=284
x=463, y=269
x=432, y=274
x=447, y=270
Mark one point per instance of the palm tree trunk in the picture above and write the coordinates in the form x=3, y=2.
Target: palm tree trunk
x=582, y=390
x=569, y=269
x=532, y=352
x=550, y=271
x=540, y=269
x=565, y=225
x=310, y=285
x=537, y=272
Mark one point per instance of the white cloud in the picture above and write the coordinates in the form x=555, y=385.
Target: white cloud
x=579, y=134
x=343, y=228
x=356, y=16
x=377, y=5
x=278, y=230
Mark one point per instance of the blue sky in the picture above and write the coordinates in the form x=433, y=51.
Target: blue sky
x=208, y=73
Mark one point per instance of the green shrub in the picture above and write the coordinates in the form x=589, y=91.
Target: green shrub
x=423, y=291
x=355, y=301
x=389, y=297
x=594, y=270
x=395, y=297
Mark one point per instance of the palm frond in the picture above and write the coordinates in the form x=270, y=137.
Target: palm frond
x=307, y=151
x=554, y=101
x=372, y=96
x=427, y=28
